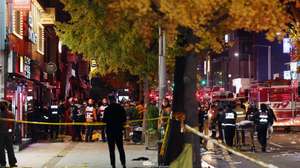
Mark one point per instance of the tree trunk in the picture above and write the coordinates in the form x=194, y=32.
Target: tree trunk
x=141, y=91
x=184, y=101
x=190, y=106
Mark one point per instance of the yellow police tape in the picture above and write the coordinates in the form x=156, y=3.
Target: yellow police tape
x=214, y=141
x=74, y=123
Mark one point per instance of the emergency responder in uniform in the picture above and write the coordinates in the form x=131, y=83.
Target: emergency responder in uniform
x=54, y=117
x=101, y=114
x=262, y=120
x=6, y=136
x=90, y=117
x=228, y=124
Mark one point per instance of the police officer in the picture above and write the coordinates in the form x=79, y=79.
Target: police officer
x=262, y=120
x=90, y=117
x=54, y=117
x=6, y=137
x=228, y=124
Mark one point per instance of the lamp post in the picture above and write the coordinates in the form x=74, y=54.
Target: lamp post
x=269, y=59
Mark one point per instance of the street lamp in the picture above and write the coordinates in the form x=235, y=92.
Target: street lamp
x=269, y=58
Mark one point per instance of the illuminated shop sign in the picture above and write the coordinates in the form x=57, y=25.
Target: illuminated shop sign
x=25, y=66
x=32, y=36
x=287, y=47
x=22, y=4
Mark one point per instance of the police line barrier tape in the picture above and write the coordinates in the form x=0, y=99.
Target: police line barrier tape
x=214, y=141
x=74, y=123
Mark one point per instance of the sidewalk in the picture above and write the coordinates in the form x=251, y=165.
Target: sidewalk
x=87, y=155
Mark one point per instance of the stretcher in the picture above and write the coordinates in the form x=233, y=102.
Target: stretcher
x=242, y=129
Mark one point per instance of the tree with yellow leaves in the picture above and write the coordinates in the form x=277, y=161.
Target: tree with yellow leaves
x=122, y=35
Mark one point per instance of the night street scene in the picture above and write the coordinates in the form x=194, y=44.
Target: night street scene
x=149, y=83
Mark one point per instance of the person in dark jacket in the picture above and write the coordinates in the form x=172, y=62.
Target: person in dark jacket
x=228, y=125
x=115, y=119
x=76, y=116
x=54, y=117
x=6, y=137
x=262, y=120
x=272, y=119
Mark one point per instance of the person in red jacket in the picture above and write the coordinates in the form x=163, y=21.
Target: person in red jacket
x=6, y=136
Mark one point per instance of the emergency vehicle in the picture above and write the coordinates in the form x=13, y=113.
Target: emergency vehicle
x=282, y=96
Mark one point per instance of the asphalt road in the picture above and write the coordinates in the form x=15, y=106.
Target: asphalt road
x=283, y=151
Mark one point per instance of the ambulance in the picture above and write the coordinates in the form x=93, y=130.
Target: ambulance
x=282, y=96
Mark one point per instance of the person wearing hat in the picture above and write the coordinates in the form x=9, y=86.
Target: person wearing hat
x=115, y=119
x=6, y=136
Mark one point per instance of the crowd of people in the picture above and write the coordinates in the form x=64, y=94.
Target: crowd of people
x=90, y=112
x=219, y=119
x=222, y=120
x=111, y=114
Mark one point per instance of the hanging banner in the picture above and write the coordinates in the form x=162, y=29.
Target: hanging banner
x=22, y=4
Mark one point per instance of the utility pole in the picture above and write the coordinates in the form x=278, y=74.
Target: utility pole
x=3, y=48
x=269, y=63
x=162, y=66
x=208, y=71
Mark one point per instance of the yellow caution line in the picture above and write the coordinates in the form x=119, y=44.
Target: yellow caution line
x=72, y=123
x=258, y=162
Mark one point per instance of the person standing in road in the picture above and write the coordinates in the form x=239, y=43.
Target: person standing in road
x=228, y=125
x=115, y=119
x=6, y=137
x=90, y=117
x=272, y=119
x=262, y=120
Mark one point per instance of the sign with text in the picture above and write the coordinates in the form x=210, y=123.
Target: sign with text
x=48, y=17
x=32, y=36
x=22, y=4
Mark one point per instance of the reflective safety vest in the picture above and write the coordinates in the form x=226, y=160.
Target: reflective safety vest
x=263, y=118
x=54, y=109
x=89, y=114
x=229, y=119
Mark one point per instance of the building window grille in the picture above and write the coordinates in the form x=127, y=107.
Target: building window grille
x=41, y=39
x=18, y=23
